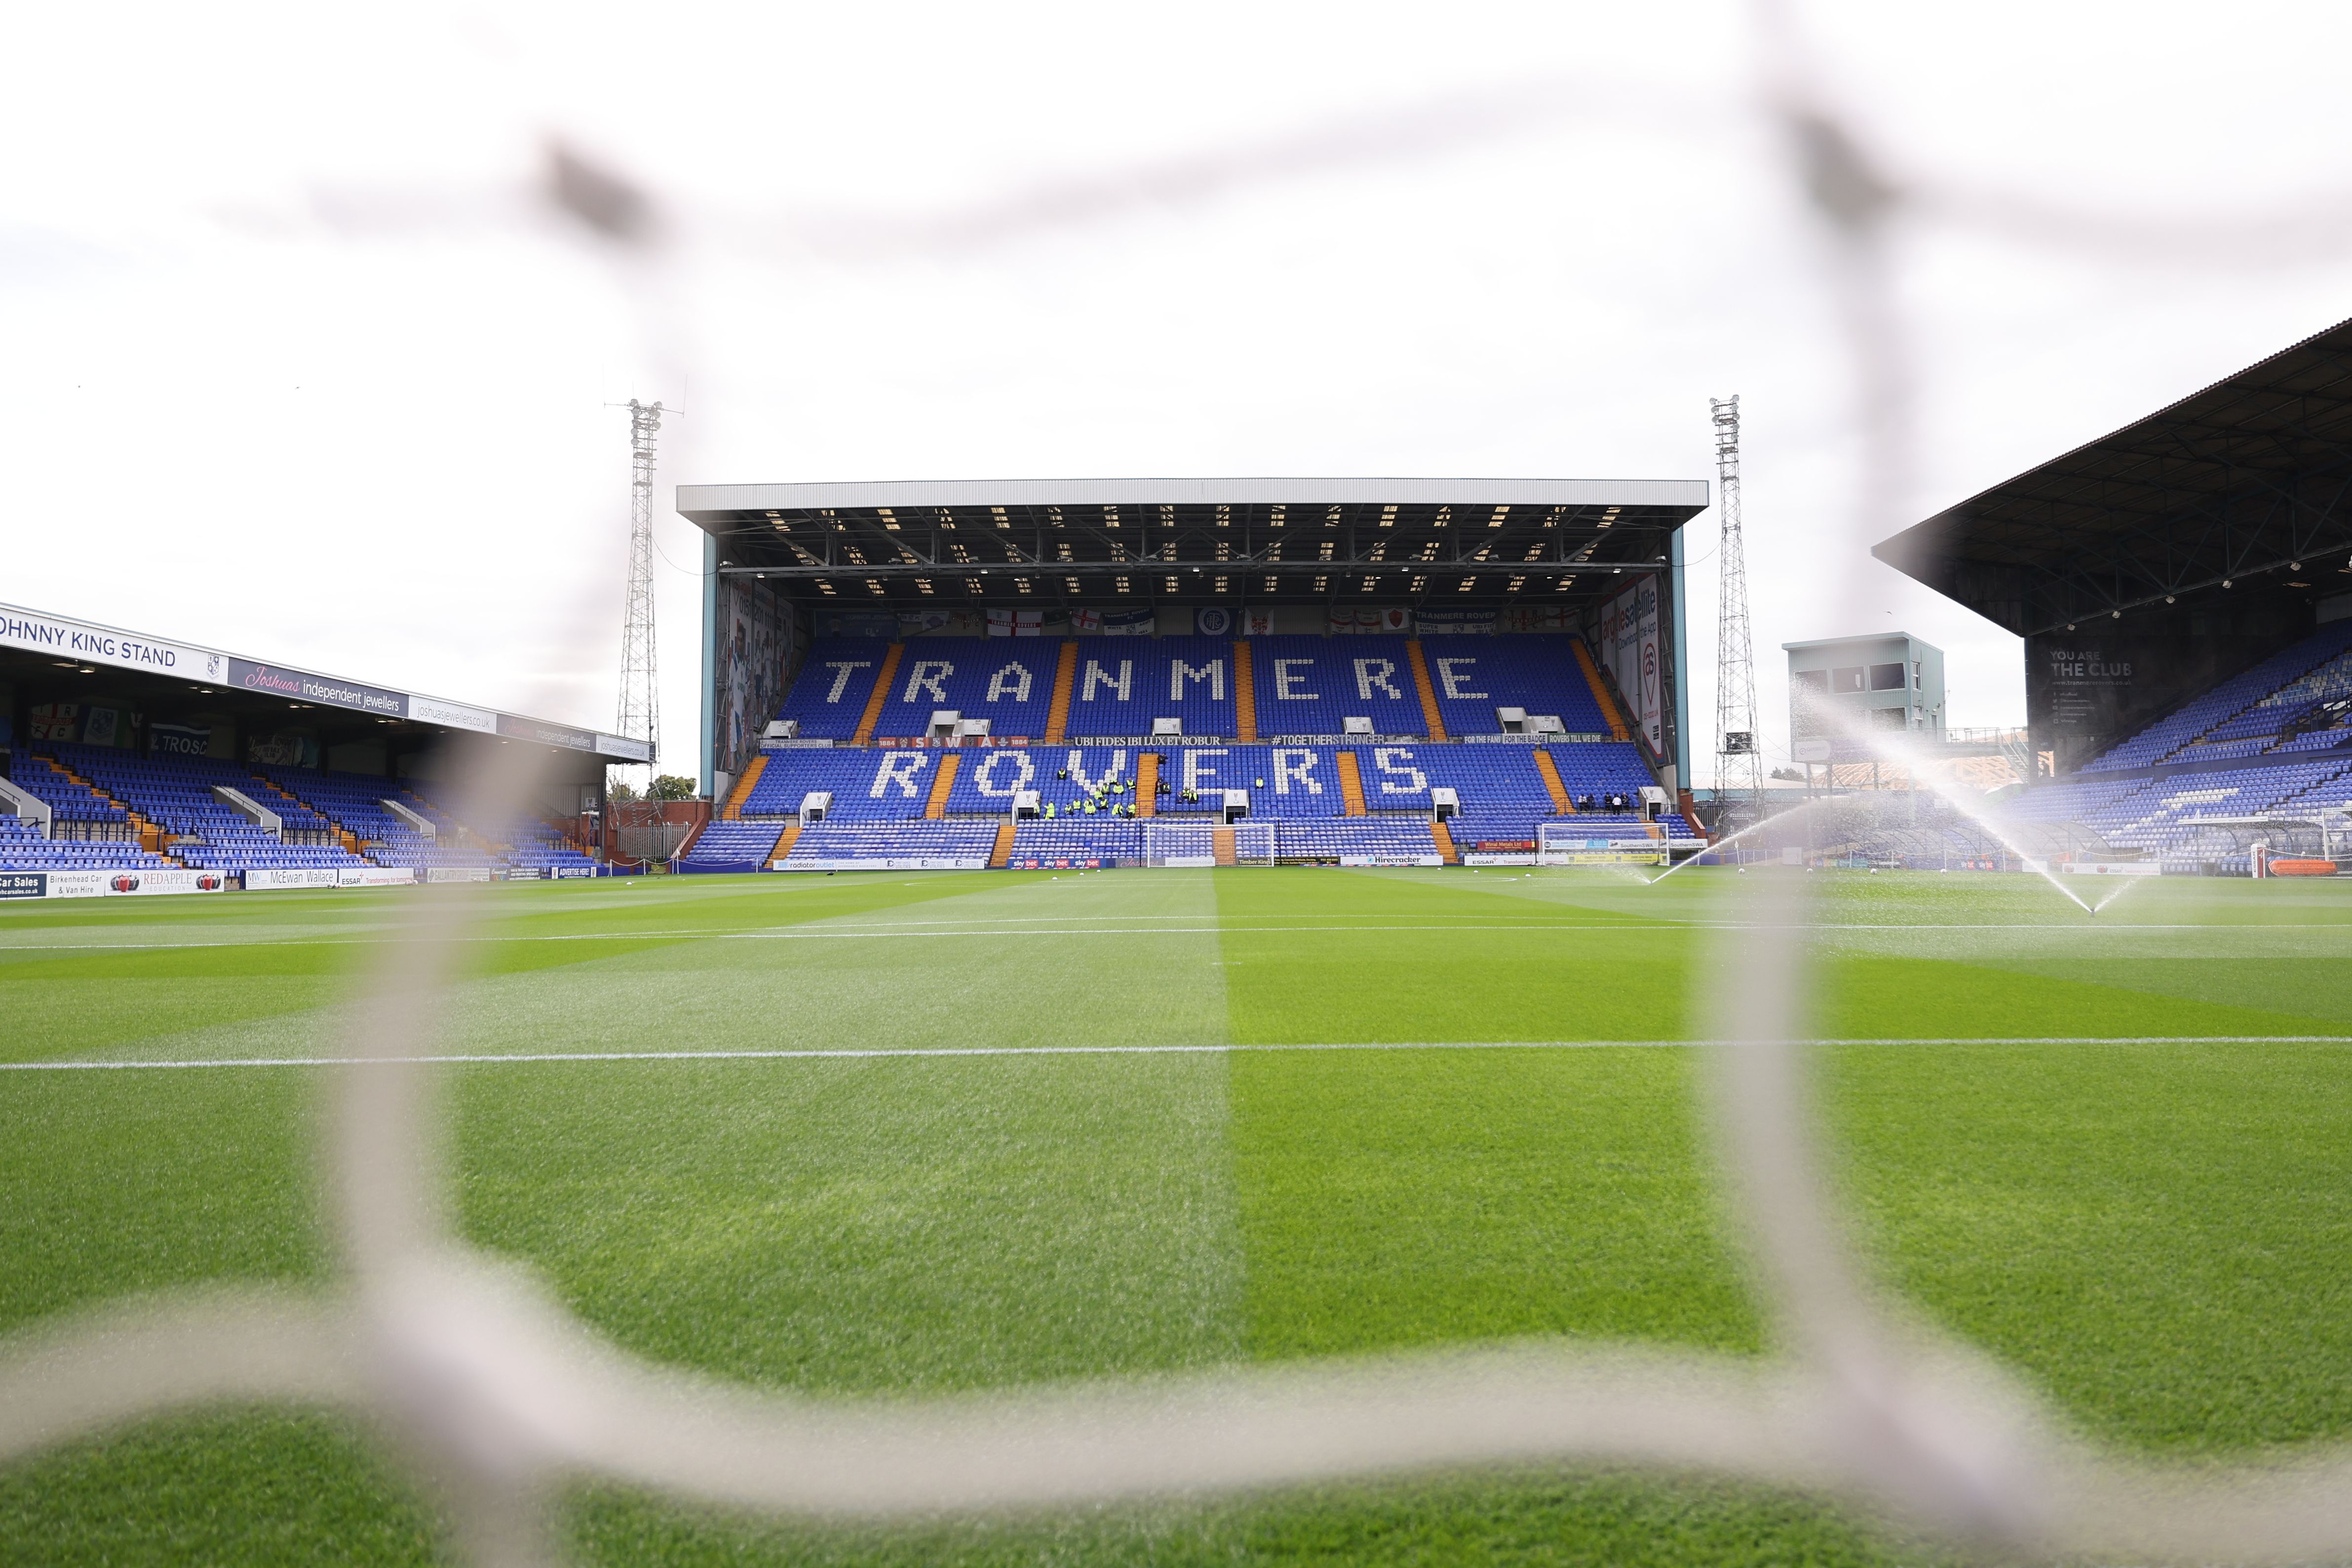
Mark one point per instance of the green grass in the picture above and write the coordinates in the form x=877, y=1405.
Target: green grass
x=2155, y=1234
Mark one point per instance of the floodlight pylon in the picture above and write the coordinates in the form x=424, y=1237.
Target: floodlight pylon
x=640, y=705
x=1738, y=757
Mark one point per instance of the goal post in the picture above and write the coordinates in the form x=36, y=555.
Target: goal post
x=1568, y=843
x=1178, y=843
x=1194, y=843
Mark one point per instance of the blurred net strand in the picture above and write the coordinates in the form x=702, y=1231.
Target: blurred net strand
x=499, y=1396
x=587, y=189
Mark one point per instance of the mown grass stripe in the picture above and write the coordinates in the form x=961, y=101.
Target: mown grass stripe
x=890, y=1052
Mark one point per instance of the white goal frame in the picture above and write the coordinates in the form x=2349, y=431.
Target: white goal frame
x=1565, y=843
x=1193, y=841
x=1184, y=842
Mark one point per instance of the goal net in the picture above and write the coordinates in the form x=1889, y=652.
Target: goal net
x=1573, y=844
x=1196, y=843
x=1179, y=844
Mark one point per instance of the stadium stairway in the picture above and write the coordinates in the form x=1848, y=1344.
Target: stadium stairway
x=1442, y=837
x=881, y=695
x=1221, y=844
x=1557, y=790
x=733, y=809
x=1426, y=691
x=1351, y=783
x=1245, y=696
x=151, y=835
x=1147, y=784
x=1002, y=851
x=1616, y=722
x=348, y=840
x=1057, y=711
x=942, y=781
x=785, y=841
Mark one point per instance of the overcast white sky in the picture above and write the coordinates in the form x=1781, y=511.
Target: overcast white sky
x=295, y=366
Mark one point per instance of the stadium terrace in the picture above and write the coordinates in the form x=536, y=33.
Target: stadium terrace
x=138, y=764
x=2181, y=587
x=1193, y=671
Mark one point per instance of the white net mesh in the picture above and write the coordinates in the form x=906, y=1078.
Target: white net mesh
x=498, y=1395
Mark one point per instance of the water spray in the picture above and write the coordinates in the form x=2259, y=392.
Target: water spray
x=1886, y=749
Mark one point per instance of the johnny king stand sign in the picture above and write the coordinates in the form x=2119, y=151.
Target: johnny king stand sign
x=80, y=640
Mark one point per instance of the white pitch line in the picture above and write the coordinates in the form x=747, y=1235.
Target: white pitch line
x=864, y=933
x=831, y=935
x=915, y=1051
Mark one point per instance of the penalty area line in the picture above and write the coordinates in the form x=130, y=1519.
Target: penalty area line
x=915, y=1052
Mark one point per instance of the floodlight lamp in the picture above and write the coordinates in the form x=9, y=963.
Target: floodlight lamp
x=2225, y=582
x=2295, y=566
x=2167, y=599
x=2115, y=614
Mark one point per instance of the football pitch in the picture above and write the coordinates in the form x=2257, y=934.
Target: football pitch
x=898, y=1132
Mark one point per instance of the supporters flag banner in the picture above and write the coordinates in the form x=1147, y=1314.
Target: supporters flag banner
x=1257, y=623
x=1396, y=619
x=914, y=623
x=282, y=751
x=1086, y=622
x=1456, y=623
x=1537, y=618
x=54, y=721
x=104, y=726
x=1129, y=623
x=1213, y=622
x=1016, y=622
x=859, y=626
x=179, y=740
